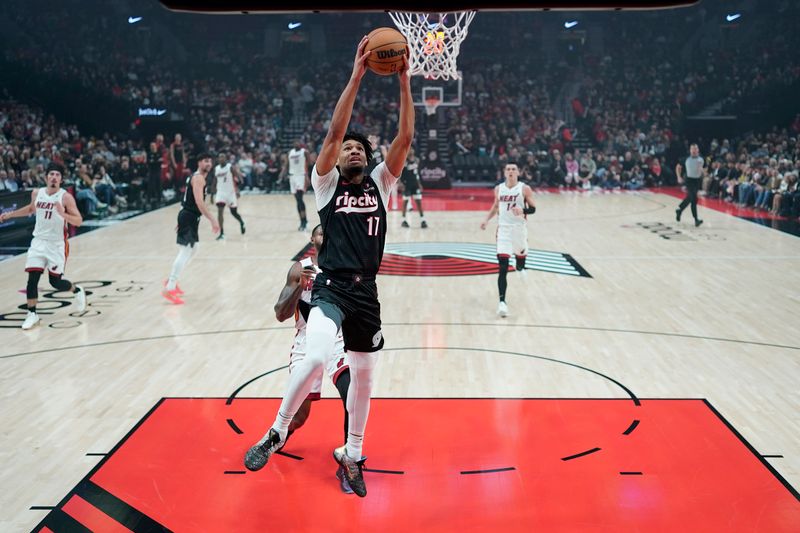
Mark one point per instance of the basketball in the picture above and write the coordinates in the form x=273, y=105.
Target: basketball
x=388, y=47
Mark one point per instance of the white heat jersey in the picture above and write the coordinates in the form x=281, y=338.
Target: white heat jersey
x=224, y=175
x=50, y=226
x=297, y=162
x=509, y=198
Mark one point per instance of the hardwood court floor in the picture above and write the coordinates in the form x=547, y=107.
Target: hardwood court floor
x=670, y=311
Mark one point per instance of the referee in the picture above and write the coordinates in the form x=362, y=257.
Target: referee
x=694, y=178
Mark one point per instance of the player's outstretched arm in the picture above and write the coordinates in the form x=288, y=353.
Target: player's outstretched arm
x=398, y=151
x=198, y=184
x=342, y=113
x=25, y=211
x=493, y=211
x=69, y=210
x=296, y=279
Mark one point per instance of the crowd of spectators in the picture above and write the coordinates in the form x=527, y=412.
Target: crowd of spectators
x=623, y=129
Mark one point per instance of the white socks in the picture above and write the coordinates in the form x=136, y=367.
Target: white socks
x=185, y=253
x=362, y=365
x=320, y=338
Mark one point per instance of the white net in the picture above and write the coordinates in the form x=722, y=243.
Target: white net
x=434, y=40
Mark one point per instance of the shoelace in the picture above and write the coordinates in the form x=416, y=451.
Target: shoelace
x=353, y=468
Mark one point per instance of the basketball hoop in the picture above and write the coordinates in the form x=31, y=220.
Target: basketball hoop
x=431, y=104
x=434, y=40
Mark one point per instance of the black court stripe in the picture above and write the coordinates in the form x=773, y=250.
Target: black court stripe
x=772, y=456
x=41, y=508
x=587, y=452
x=630, y=429
x=289, y=455
x=234, y=427
x=234, y=393
x=234, y=472
x=117, y=509
x=630, y=474
x=59, y=521
x=379, y=471
x=750, y=447
x=92, y=454
x=489, y=471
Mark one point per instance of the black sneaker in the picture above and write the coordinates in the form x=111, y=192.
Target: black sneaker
x=343, y=483
x=677, y=215
x=405, y=224
x=352, y=471
x=220, y=237
x=697, y=222
x=257, y=456
x=424, y=225
x=241, y=227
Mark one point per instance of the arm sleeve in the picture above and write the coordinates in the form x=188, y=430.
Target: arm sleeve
x=384, y=180
x=324, y=186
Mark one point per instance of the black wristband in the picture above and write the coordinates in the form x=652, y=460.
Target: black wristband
x=529, y=210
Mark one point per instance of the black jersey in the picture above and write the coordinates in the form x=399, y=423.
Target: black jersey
x=189, y=202
x=410, y=175
x=354, y=223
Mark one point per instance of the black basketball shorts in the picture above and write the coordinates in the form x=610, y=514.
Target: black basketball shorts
x=352, y=303
x=188, y=224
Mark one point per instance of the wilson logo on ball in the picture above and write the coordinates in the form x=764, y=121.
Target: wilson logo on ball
x=388, y=54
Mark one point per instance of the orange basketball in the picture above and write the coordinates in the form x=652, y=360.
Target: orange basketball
x=388, y=48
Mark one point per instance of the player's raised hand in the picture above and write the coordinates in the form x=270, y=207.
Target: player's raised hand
x=405, y=69
x=516, y=211
x=360, y=62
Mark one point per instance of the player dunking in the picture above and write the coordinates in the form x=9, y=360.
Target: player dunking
x=513, y=201
x=226, y=177
x=298, y=179
x=188, y=222
x=352, y=209
x=412, y=188
x=54, y=208
x=295, y=301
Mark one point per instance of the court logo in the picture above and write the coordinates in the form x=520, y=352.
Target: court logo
x=668, y=233
x=102, y=294
x=462, y=259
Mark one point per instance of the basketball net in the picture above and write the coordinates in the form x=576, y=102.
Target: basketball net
x=431, y=104
x=434, y=40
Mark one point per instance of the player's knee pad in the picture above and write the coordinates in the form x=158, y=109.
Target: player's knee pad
x=59, y=283
x=32, y=289
x=503, y=263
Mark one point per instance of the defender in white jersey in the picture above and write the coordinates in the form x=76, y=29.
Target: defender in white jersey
x=298, y=161
x=54, y=209
x=226, y=178
x=295, y=300
x=513, y=201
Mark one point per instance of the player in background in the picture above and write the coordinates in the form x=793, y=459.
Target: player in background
x=54, y=209
x=298, y=163
x=226, y=177
x=412, y=188
x=193, y=207
x=513, y=201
